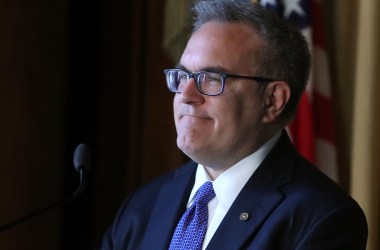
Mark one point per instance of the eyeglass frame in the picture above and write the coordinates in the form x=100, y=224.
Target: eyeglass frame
x=224, y=76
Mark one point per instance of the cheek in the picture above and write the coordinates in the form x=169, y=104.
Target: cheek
x=228, y=117
x=175, y=106
x=244, y=111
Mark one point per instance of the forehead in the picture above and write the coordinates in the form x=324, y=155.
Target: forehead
x=231, y=46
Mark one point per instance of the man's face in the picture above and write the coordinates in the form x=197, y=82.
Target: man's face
x=218, y=131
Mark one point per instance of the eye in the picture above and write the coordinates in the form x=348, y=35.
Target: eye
x=182, y=76
x=213, y=79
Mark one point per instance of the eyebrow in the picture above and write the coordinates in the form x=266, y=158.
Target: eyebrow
x=215, y=69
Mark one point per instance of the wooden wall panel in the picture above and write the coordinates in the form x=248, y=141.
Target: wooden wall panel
x=32, y=114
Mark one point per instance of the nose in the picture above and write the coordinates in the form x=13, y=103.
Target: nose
x=190, y=93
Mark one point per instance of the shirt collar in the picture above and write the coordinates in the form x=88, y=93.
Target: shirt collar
x=229, y=184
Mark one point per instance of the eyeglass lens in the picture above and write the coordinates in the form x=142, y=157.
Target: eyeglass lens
x=207, y=82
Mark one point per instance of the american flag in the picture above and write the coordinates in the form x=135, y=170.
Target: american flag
x=312, y=130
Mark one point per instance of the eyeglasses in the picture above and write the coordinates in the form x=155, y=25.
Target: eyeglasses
x=208, y=83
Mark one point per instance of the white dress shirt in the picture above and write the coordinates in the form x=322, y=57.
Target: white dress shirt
x=228, y=185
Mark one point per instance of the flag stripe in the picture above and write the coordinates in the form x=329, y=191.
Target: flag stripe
x=302, y=129
x=319, y=38
x=322, y=112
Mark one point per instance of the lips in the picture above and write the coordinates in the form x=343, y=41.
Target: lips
x=190, y=113
x=193, y=116
x=192, y=121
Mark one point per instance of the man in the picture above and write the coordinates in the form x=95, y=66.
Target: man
x=237, y=86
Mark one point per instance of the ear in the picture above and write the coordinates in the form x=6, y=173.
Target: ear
x=276, y=96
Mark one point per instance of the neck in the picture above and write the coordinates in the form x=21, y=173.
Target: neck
x=214, y=171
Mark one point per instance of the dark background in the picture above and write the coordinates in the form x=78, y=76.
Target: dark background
x=79, y=72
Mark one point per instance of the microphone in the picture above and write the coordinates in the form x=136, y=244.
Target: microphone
x=82, y=162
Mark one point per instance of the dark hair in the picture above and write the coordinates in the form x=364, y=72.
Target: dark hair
x=286, y=54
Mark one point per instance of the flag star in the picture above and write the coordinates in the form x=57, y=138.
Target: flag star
x=293, y=6
x=266, y=2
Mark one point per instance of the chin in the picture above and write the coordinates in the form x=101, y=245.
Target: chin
x=188, y=149
x=196, y=154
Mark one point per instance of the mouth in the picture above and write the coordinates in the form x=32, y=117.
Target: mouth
x=193, y=116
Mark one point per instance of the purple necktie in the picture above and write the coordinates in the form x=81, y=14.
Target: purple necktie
x=191, y=229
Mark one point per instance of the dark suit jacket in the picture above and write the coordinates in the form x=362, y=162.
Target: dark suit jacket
x=291, y=205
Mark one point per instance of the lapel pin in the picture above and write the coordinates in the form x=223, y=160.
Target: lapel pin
x=244, y=216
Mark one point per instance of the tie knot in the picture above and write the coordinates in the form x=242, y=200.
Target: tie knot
x=205, y=193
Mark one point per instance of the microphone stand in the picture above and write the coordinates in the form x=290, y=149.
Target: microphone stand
x=78, y=191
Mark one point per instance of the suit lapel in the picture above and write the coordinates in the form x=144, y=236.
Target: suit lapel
x=233, y=232
x=258, y=198
x=170, y=205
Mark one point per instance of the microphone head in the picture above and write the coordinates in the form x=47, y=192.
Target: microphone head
x=82, y=157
